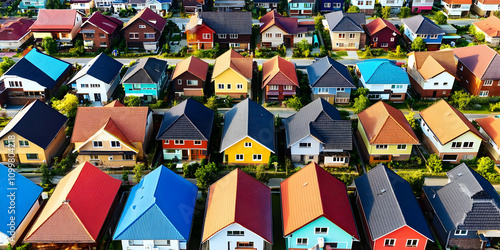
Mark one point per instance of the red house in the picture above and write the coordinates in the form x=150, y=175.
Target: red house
x=144, y=30
x=99, y=31
x=185, y=131
x=279, y=79
x=189, y=77
x=382, y=34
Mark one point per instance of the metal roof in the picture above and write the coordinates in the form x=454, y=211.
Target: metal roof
x=382, y=71
x=422, y=25
x=145, y=70
x=329, y=73
x=339, y=21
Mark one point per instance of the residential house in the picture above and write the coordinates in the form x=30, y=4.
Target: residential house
x=119, y=5
x=432, y=73
x=490, y=27
x=164, y=201
x=189, y=77
x=105, y=5
x=317, y=134
x=448, y=133
x=35, y=5
x=61, y=24
x=277, y=30
x=465, y=212
x=99, y=31
x=331, y=5
x=82, y=6
x=98, y=79
x=228, y=29
x=185, y=131
x=146, y=78
x=489, y=127
x=232, y=75
x=113, y=135
x=456, y=8
x=365, y=6
x=382, y=34
x=160, y=7
x=193, y=6
x=14, y=32
x=229, y=5
x=268, y=5
x=389, y=211
x=279, y=79
x=248, y=134
x=384, y=79
x=394, y=4
x=301, y=8
x=421, y=26
x=420, y=6
x=346, y=30
x=144, y=30
x=485, y=8
x=330, y=80
x=314, y=206
x=238, y=214
x=36, y=76
x=27, y=198
x=384, y=134
x=78, y=212
x=477, y=70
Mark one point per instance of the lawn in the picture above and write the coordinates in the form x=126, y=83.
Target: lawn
x=278, y=240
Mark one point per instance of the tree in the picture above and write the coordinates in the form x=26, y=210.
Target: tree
x=53, y=4
x=294, y=103
x=138, y=168
x=212, y=103
x=416, y=181
x=472, y=30
x=434, y=163
x=386, y=12
x=418, y=44
x=261, y=174
x=461, y=100
x=125, y=176
x=362, y=91
x=132, y=101
x=46, y=175
x=206, y=175
x=49, y=45
x=360, y=103
x=6, y=64
x=411, y=120
x=441, y=18
x=353, y=9
x=480, y=37
x=495, y=13
x=485, y=165
x=405, y=12
x=368, y=52
x=190, y=169
x=318, y=22
x=67, y=106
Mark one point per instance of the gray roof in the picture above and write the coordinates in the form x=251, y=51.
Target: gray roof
x=339, y=21
x=228, y=22
x=145, y=70
x=190, y=120
x=422, y=25
x=250, y=119
x=101, y=67
x=321, y=120
x=329, y=73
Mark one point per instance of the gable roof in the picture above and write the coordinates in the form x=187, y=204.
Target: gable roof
x=289, y=25
x=339, y=21
x=379, y=24
x=54, y=20
x=489, y=1
x=321, y=120
x=193, y=65
x=37, y=123
x=327, y=72
x=382, y=71
x=159, y=207
x=189, y=120
x=77, y=210
x=388, y=203
x=150, y=17
x=233, y=60
x=15, y=29
x=228, y=22
x=312, y=193
x=107, y=24
x=432, y=63
x=384, y=124
x=490, y=26
x=446, y=122
x=491, y=125
x=145, y=70
x=102, y=67
x=238, y=198
x=422, y=25
x=481, y=60
x=278, y=71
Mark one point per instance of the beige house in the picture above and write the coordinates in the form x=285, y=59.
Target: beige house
x=346, y=30
x=277, y=30
x=489, y=127
x=62, y=25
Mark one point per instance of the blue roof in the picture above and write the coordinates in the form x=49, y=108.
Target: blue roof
x=26, y=195
x=160, y=207
x=382, y=71
x=101, y=67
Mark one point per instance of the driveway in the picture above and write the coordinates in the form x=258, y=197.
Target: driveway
x=353, y=55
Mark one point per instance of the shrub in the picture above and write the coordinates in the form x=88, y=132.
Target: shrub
x=353, y=9
x=418, y=44
x=441, y=18
x=434, y=163
x=360, y=103
x=405, y=12
x=386, y=12
x=495, y=107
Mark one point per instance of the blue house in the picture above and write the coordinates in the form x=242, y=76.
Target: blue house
x=384, y=79
x=146, y=79
x=330, y=80
x=25, y=5
x=158, y=213
x=301, y=7
x=331, y=5
x=420, y=26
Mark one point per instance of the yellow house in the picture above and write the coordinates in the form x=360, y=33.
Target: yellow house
x=385, y=134
x=34, y=136
x=232, y=75
x=248, y=135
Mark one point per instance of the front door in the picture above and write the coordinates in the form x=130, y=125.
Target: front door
x=434, y=93
x=97, y=97
x=185, y=154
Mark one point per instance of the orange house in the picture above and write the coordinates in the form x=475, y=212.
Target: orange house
x=198, y=34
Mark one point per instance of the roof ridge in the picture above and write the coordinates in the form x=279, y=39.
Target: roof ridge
x=78, y=218
x=394, y=192
x=489, y=64
x=401, y=126
x=133, y=222
x=187, y=117
x=380, y=129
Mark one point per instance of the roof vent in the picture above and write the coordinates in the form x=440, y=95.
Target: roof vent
x=305, y=184
x=66, y=201
x=200, y=21
x=459, y=174
x=381, y=192
x=152, y=21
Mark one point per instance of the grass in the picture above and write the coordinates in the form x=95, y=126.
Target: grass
x=340, y=53
x=278, y=240
x=485, y=109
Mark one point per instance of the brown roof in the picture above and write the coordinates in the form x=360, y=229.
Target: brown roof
x=378, y=24
x=384, y=124
x=446, y=122
x=115, y=103
x=192, y=65
x=458, y=1
x=289, y=25
x=279, y=71
x=433, y=63
x=150, y=17
x=490, y=26
x=481, y=60
x=491, y=126
x=232, y=59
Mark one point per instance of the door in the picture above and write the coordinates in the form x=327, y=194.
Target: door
x=185, y=154
x=434, y=93
x=97, y=97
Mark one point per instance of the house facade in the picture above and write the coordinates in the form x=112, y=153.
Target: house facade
x=193, y=6
x=489, y=127
x=146, y=79
x=62, y=25
x=490, y=27
x=421, y=5
x=277, y=30
x=14, y=33
x=420, y=26
x=301, y=7
x=144, y=30
x=384, y=79
x=279, y=79
x=82, y=6
x=99, y=31
x=394, y=4
x=346, y=30
x=189, y=77
x=456, y=8
x=485, y=8
x=382, y=34
x=232, y=75
x=26, y=5
x=268, y=5
x=331, y=5
x=365, y=6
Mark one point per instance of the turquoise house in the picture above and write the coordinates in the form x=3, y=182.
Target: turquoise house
x=301, y=7
x=32, y=4
x=146, y=79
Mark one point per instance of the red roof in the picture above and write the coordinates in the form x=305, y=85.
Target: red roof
x=106, y=23
x=150, y=17
x=15, y=29
x=287, y=24
x=278, y=71
x=55, y=20
x=378, y=24
x=192, y=65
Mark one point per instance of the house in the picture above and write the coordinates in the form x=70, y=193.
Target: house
x=82, y=6
x=190, y=76
x=301, y=8
x=99, y=31
x=432, y=73
x=346, y=30
x=277, y=30
x=14, y=32
x=384, y=79
x=35, y=5
x=160, y=7
x=317, y=134
x=477, y=70
x=228, y=29
x=394, y=4
x=248, y=134
x=144, y=30
x=27, y=197
x=489, y=127
x=448, y=133
x=79, y=210
x=98, y=79
x=229, y=5
x=314, y=206
x=490, y=27
x=389, y=211
x=185, y=131
x=105, y=5
x=61, y=24
x=330, y=80
x=421, y=26
x=146, y=78
x=331, y=5
x=279, y=79
x=232, y=75
x=456, y=8
x=465, y=212
x=118, y=5
x=420, y=6
x=365, y=6
x=485, y=8
x=382, y=34
x=164, y=201
x=238, y=214
x=268, y=5
x=113, y=135
x=37, y=133
x=193, y=6
x=384, y=134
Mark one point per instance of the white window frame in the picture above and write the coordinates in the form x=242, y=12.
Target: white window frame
x=273, y=87
x=228, y=86
x=322, y=91
x=381, y=146
x=488, y=83
x=206, y=36
x=469, y=144
x=389, y=245
x=24, y=144
x=239, y=155
x=179, y=81
x=254, y=156
x=352, y=35
x=340, y=89
x=307, y=145
x=220, y=85
x=316, y=229
x=402, y=147
x=327, y=5
x=136, y=35
x=303, y=241
x=392, y=39
x=146, y=36
x=111, y=144
x=239, y=86
x=94, y=144
x=484, y=93
x=178, y=142
x=142, y=26
x=197, y=142
x=233, y=36
x=433, y=37
x=411, y=241
x=461, y=232
x=222, y=36
x=288, y=87
x=342, y=36
x=248, y=145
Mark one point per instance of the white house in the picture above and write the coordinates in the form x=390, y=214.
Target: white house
x=14, y=32
x=365, y=6
x=394, y=4
x=456, y=8
x=384, y=79
x=420, y=5
x=277, y=30
x=485, y=8
x=83, y=6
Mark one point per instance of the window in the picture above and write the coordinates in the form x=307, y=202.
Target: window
x=179, y=142
x=239, y=157
x=424, y=36
x=341, y=35
x=234, y=45
x=149, y=35
x=369, y=2
x=228, y=86
x=461, y=68
x=142, y=26
x=102, y=35
x=244, y=244
x=433, y=36
x=460, y=232
x=277, y=35
x=269, y=35
x=248, y=144
x=392, y=39
x=307, y=5
x=301, y=241
x=321, y=230
x=197, y=143
x=396, y=86
x=295, y=5
x=338, y=159
x=179, y=81
x=257, y=157
x=304, y=145
x=239, y=86
x=94, y=157
x=133, y=35
x=456, y=144
x=135, y=243
x=6, y=143
x=97, y=144
x=115, y=144
x=445, y=84
x=220, y=86
x=337, y=5
x=436, y=83
x=288, y=87
x=488, y=83
x=468, y=144
x=162, y=242
x=327, y=5
x=384, y=45
x=235, y=233
x=450, y=157
x=401, y=147
x=166, y=141
x=300, y=35
x=352, y=35
x=322, y=90
x=411, y=243
x=206, y=35
x=233, y=36
x=390, y=242
x=273, y=87
x=375, y=39
x=128, y=157
x=360, y=3
x=32, y=156
x=222, y=36
x=95, y=85
x=373, y=96
x=381, y=146
x=136, y=86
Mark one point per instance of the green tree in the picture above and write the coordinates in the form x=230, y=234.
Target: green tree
x=49, y=45
x=485, y=165
x=480, y=37
x=294, y=103
x=411, y=120
x=386, y=12
x=138, y=169
x=67, y=106
x=418, y=44
x=261, y=174
x=405, y=12
x=368, y=52
x=495, y=13
x=132, y=101
x=206, y=175
x=360, y=103
x=416, y=180
x=53, y=4
x=441, y=18
x=361, y=91
x=434, y=163
x=125, y=176
x=46, y=175
x=353, y=9
x=318, y=22
x=461, y=100
x=6, y=64
x=190, y=169
x=472, y=30
x=212, y=103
